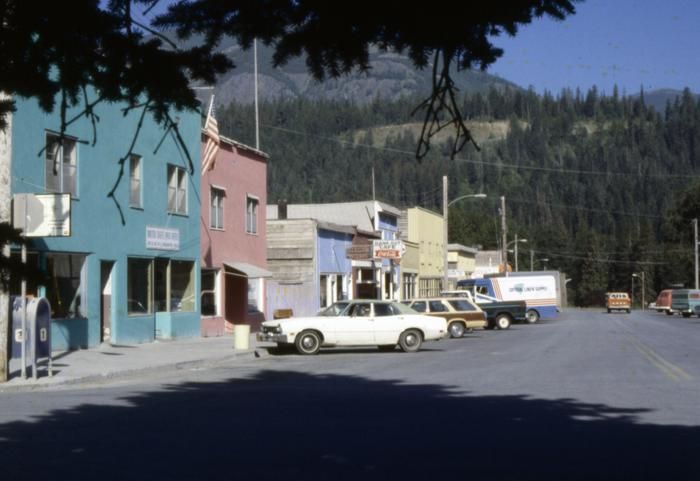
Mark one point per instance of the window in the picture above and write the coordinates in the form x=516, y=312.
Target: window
x=177, y=190
x=251, y=215
x=381, y=310
x=65, y=289
x=216, y=211
x=210, y=297
x=182, y=286
x=139, y=286
x=462, y=305
x=135, y=181
x=61, y=165
x=438, y=306
x=360, y=310
x=419, y=306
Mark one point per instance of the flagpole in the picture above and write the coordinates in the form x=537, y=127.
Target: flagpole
x=255, y=83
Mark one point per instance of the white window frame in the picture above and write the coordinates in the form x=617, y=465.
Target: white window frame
x=177, y=186
x=251, y=219
x=135, y=181
x=57, y=158
x=215, y=222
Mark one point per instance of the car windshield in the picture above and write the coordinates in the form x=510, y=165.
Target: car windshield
x=334, y=309
x=462, y=305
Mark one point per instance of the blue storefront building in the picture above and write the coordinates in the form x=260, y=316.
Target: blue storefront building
x=127, y=273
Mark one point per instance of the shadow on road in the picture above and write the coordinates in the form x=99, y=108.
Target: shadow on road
x=287, y=425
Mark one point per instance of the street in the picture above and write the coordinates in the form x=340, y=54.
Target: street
x=587, y=396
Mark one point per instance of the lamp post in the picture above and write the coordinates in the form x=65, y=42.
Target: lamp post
x=445, y=206
x=544, y=261
x=515, y=250
x=640, y=276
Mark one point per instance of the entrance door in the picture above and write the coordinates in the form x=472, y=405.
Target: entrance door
x=106, y=268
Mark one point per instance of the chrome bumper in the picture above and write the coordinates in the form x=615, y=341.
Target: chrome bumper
x=270, y=337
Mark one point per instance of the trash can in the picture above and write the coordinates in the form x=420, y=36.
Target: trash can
x=241, y=336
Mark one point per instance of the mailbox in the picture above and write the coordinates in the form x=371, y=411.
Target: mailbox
x=39, y=310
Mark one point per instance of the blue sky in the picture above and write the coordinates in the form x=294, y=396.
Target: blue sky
x=631, y=43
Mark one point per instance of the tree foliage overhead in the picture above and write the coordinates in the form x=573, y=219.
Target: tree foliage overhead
x=45, y=54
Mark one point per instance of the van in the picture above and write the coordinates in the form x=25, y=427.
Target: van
x=685, y=301
x=663, y=302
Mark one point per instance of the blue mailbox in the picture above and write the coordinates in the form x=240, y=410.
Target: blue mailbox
x=39, y=317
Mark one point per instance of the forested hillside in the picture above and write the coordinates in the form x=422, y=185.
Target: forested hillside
x=596, y=184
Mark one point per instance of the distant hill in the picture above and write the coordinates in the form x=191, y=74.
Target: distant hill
x=391, y=77
x=659, y=98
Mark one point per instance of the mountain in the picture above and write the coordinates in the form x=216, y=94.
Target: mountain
x=659, y=98
x=391, y=77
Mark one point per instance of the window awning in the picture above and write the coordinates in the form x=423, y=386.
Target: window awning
x=248, y=270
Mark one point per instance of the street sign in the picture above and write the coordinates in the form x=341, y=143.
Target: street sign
x=42, y=215
x=388, y=249
x=359, y=252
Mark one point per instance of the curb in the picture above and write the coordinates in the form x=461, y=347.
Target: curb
x=43, y=383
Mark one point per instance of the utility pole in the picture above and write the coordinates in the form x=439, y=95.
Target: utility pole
x=532, y=260
x=255, y=83
x=445, y=280
x=5, y=203
x=695, y=247
x=504, y=242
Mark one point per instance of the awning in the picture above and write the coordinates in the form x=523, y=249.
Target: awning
x=248, y=269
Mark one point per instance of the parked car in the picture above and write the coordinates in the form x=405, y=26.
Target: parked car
x=360, y=323
x=618, y=301
x=499, y=314
x=686, y=301
x=460, y=313
x=663, y=302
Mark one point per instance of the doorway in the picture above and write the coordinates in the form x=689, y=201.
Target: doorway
x=106, y=268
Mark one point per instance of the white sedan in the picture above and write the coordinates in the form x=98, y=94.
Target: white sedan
x=356, y=323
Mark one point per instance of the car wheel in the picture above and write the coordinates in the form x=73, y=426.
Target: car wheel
x=686, y=314
x=532, y=316
x=669, y=313
x=387, y=347
x=503, y=321
x=308, y=342
x=410, y=340
x=456, y=329
x=629, y=310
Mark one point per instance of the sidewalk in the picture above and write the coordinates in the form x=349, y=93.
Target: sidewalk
x=107, y=361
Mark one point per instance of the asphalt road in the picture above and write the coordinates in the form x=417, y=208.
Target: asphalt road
x=588, y=396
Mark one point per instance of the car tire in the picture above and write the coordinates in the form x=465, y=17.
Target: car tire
x=532, y=316
x=387, y=347
x=686, y=314
x=669, y=313
x=629, y=310
x=410, y=340
x=503, y=321
x=308, y=342
x=456, y=329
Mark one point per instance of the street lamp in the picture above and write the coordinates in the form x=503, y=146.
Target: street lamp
x=445, y=206
x=640, y=276
x=515, y=251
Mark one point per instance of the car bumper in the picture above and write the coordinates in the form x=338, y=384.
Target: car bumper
x=270, y=337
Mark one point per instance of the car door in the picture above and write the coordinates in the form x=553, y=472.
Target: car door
x=357, y=328
x=389, y=322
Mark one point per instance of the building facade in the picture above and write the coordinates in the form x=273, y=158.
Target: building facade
x=126, y=272
x=425, y=228
x=461, y=262
x=233, y=231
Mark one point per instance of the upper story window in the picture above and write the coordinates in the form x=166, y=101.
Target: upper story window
x=177, y=190
x=61, y=165
x=216, y=211
x=135, y=176
x=251, y=215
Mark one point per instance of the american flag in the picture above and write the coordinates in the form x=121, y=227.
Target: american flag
x=211, y=147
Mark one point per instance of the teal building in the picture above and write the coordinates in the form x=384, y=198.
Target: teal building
x=127, y=273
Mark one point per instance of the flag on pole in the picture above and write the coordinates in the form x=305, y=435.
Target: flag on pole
x=211, y=145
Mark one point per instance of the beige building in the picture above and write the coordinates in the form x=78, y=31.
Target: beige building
x=461, y=263
x=425, y=228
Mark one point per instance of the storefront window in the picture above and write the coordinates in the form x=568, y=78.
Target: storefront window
x=182, y=286
x=253, y=289
x=139, y=286
x=65, y=287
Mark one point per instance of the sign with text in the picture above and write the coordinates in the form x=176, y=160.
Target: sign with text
x=388, y=249
x=162, y=238
x=42, y=215
x=359, y=252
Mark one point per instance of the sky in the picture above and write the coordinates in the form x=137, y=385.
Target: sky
x=653, y=44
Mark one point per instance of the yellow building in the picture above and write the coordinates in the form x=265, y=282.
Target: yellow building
x=425, y=228
x=461, y=262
